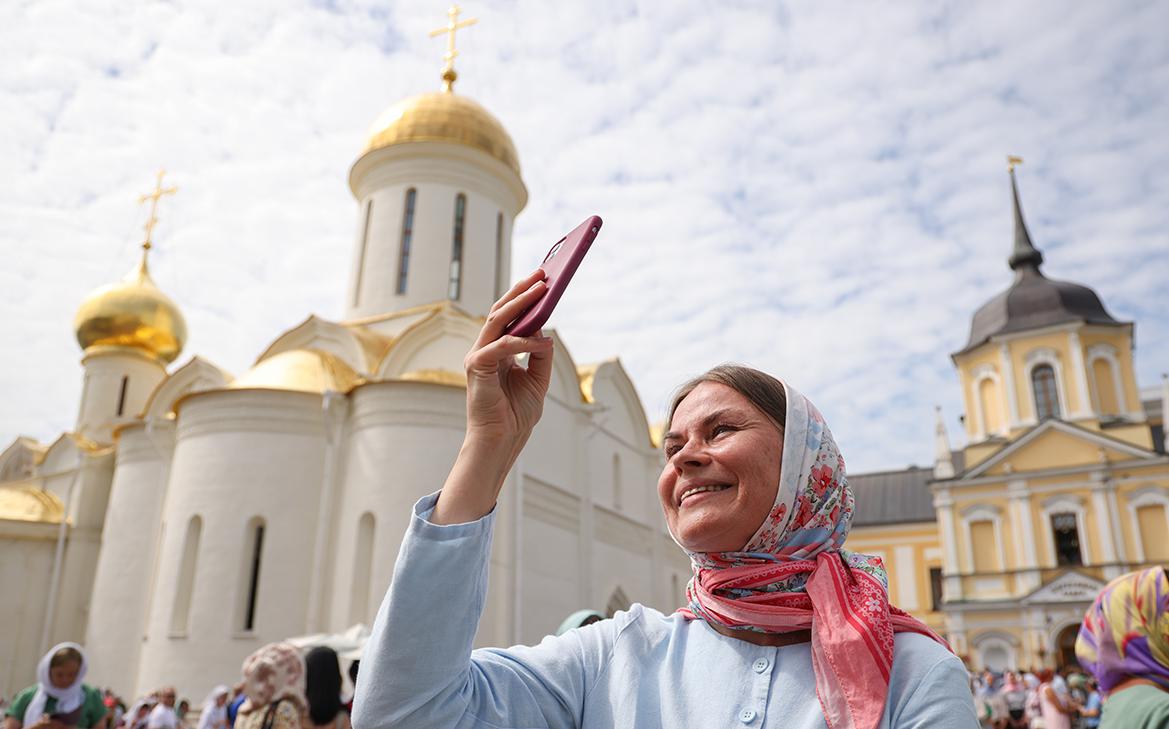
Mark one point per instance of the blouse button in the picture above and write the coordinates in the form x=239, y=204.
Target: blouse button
x=747, y=716
x=760, y=665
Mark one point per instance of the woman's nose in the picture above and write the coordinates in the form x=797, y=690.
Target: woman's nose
x=692, y=454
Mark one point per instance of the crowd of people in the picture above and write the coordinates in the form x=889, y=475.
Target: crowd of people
x=1040, y=699
x=281, y=688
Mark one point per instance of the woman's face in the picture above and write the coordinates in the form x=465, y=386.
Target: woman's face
x=64, y=674
x=722, y=444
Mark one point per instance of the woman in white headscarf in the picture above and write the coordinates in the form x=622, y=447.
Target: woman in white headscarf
x=214, y=714
x=59, y=698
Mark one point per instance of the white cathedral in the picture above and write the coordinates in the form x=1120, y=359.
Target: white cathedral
x=192, y=516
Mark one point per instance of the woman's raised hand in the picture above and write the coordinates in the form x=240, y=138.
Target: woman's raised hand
x=504, y=403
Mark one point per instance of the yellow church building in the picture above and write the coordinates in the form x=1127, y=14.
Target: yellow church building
x=1064, y=483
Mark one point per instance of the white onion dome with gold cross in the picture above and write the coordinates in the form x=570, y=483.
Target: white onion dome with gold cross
x=443, y=116
x=132, y=313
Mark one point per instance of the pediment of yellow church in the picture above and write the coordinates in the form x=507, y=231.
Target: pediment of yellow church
x=1057, y=445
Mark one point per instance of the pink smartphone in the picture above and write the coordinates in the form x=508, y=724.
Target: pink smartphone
x=558, y=266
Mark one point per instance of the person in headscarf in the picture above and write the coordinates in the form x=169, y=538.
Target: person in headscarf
x=214, y=713
x=783, y=627
x=579, y=619
x=1124, y=644
x=139, y=713
x=273, y=679
x=59, y=698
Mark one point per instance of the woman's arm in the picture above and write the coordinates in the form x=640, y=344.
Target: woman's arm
x=417, y=669
x=11, y=722
x=504, y=403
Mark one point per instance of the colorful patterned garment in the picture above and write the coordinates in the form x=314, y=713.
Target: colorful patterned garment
x=273, y=673
x=793, y=575
x=1126, y=631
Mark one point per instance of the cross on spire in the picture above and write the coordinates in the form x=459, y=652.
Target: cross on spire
x=453, y=24
x=153, y=196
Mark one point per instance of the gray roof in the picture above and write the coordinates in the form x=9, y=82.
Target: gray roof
x=892, y=497
x=1033, y=300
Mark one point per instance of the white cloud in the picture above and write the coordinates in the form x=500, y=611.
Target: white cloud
x=817, y=189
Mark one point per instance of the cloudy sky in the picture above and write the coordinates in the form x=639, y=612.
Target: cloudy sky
x=818, y=189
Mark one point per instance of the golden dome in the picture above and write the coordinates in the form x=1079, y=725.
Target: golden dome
x=132, y=313
x=28, y=503
x=443, y=117
x=303, y=370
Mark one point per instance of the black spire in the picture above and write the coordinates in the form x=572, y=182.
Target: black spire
x=1024, y=255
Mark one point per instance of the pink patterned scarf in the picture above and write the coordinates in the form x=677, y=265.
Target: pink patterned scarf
x=793, y=575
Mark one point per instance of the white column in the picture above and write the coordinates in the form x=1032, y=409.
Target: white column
x=334, y=408
x=1028, y=577
x=952, y=581
x=1081, y=376
x=1009, y=382
x=1108, y=520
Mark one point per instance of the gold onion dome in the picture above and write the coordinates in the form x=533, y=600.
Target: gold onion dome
x=132, y=313
x=443, y=116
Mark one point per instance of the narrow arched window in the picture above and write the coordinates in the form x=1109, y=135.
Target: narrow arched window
x=1065, y=532
x=254, y=550
x=362, y=563
x=1046, y=397
x=122, y=395
x=498, y=255
x=361, y=252
x=455, y=284
x=184, y=588
x=407, y=235
x=617, y=481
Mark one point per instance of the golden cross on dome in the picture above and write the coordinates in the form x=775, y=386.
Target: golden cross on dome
x=1013, y=162
x=453, y=24
x=153, y=197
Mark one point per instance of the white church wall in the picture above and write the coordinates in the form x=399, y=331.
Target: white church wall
x=403, y=438
x=103, y=401
x=86, y=509
x=122, y=578
x=551, y=572
x=25, y=571
x=240, y=456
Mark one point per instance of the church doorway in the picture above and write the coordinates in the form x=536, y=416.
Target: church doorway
x=1065, y=646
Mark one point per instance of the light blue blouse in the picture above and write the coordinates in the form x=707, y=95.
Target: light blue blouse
x=639, y=669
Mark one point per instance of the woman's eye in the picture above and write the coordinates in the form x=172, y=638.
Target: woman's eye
x=671, y=450
x=719, y=429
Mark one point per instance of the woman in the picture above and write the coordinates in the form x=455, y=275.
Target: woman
x=1124, y=644
x=323, y=681
x=59, y=698
x=274, y=687
x=782, y=626
x=214, y=714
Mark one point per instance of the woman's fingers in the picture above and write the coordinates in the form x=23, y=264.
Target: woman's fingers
x=486, y=360
x=519, y=287
x=507, y=309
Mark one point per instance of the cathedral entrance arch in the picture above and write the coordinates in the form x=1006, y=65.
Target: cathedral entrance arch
x=1065, y=646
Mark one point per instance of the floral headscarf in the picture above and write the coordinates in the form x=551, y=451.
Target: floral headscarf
x=793, y=575
x=272, y=673
x=1126, y=631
